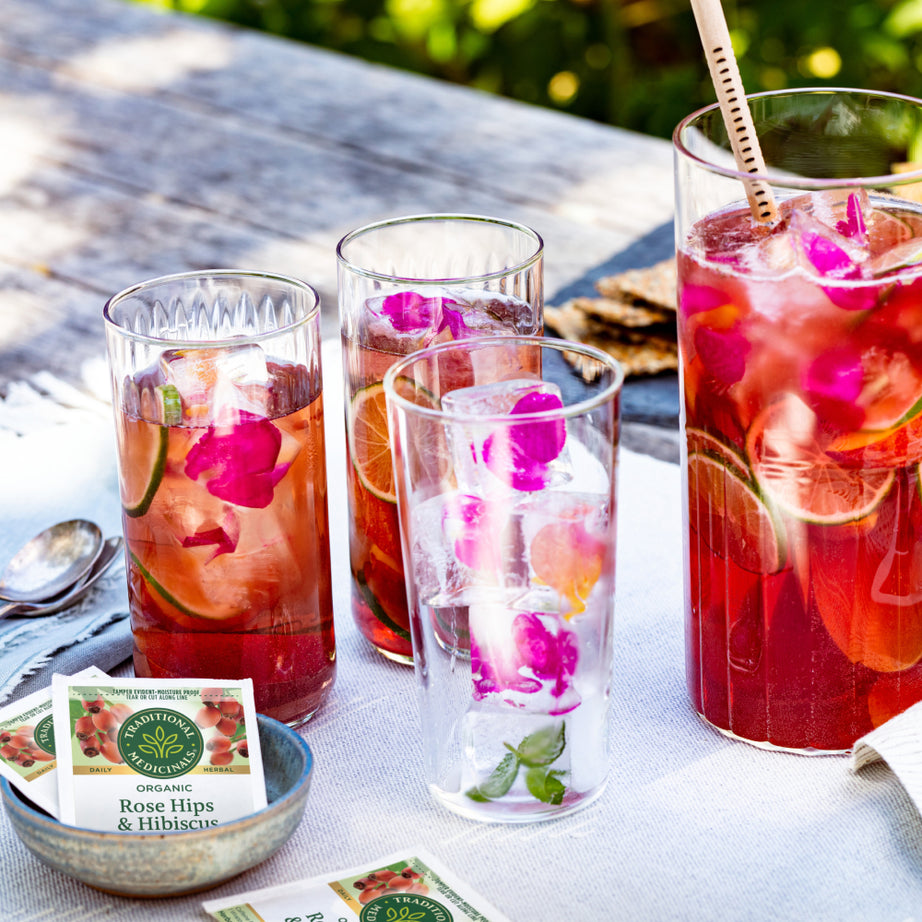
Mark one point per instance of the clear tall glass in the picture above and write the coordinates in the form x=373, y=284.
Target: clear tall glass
x=505, y=459
x=801, y=368
x=216, y=379
x=404, y=284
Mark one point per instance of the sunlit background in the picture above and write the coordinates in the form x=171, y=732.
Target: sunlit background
x=632, y=63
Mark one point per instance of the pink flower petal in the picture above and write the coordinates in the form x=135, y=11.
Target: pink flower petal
x=723, y=352
x=694, y=299
x=238, y=460
x=519, y=455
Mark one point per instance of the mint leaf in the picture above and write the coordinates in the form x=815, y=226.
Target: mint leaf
x=498, y=782
x=545, y=785
x=544, y=746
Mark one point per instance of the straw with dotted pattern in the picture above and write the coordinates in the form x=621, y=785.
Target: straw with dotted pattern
x=725, y=74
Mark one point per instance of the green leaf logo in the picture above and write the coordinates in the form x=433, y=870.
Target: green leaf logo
x=160, y=743
x=404, y=907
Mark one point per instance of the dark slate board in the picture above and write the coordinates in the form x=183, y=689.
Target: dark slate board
x=652, y=400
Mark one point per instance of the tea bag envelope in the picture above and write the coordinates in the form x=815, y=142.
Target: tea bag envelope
x=27, y=750
x=156, y=755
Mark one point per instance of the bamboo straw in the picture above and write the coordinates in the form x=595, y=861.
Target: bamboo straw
x=725, y=74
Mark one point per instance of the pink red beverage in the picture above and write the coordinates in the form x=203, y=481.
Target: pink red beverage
x=802, y=374
x=224, y=509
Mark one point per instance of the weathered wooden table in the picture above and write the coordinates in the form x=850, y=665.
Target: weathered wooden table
x=134, y=144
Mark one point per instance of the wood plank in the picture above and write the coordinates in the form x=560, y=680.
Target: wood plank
x=137, y=144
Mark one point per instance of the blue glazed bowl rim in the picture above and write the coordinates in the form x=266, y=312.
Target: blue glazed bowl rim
x=15, y=800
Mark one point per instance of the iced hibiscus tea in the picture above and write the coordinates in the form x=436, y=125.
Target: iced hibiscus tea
x=224, y=511
x=802, y=374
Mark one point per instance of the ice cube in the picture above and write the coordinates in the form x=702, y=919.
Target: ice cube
x=842, y=210
x=823, y=251
x=489, y=313
x=405, y=320
x=493, y=456
x=775, y=255
x=568, y=540
x=216, y=383
x=466, y=547
x=438, y=576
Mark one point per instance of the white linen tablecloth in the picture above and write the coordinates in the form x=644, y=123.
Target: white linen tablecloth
x=692, y=826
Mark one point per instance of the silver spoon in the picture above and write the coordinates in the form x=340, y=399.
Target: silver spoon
x=52, y=562
x=109, y=553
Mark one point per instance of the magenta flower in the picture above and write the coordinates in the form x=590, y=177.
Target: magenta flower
x=238, y=460
x=723, y=352
x=520, y=454
x=832, y=261
x=854, y=225
x=694, y=299
x=832, y=383
x=467, y=519
x=411, y=312
x=534, y=658
x=224, y=538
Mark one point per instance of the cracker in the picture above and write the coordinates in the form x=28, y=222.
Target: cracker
x=624, y=312
x=639, y=352
x=654, y=285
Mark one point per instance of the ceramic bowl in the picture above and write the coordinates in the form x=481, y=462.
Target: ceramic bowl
x=169, y=864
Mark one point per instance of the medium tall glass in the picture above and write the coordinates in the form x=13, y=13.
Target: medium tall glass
x=405, y=284
x=505, y=458
x=801, y=367
x=216, y=380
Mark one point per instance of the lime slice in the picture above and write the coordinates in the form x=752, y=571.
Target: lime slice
x=217, y=612
x=700, y=441
x=731, y=518
x=793, y=470
x=368, y=434
x=145, y=458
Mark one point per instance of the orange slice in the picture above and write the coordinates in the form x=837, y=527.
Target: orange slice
x=369, y=443
x=795, y=472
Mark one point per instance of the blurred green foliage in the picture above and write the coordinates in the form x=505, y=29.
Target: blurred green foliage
x=633, y=63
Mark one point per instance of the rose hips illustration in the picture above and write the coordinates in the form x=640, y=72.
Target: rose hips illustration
x=96, y=730
x=104, y=721
x=121, y=712
x=109, y=751
x=211, y=696
x=90, y=747
x=84, y=728
x=388, y=881
x=229, y=707
x=222, y=758
x=227, y=726
x=207, y=717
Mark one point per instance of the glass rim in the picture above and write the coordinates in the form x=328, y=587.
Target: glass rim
x=786, y=180
x=216, y=275
x=611, y=390
x=519, y=266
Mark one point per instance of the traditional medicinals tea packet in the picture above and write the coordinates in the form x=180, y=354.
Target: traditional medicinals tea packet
x=156, y=755
x=27, y=757
x=411, y=886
